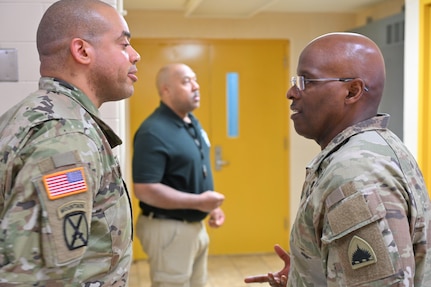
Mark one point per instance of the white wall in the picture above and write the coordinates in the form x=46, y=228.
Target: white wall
x=18, y=24
x=411, y=75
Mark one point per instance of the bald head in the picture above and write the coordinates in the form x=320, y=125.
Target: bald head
x=162, y=77
x=349, y=55
x=68, y=19
x=178, y=88
x=167, y=73
x=343, y=75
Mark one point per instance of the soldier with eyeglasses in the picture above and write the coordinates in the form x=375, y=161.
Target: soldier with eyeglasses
x=364, y=214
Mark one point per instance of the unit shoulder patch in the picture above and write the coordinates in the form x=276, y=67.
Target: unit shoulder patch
x=361, y=253
x=75, y=229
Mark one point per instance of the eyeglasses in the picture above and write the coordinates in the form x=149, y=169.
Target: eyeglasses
x=300, y=81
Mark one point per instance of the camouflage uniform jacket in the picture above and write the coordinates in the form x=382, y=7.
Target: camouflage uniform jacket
x=65, y=216
x=364, y=215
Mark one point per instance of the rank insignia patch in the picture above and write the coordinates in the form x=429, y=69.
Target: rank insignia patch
x=65, y=183
x=361, y=253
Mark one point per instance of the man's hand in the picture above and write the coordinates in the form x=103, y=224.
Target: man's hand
x=216, y=218
x=209, y=200
x=275, y=279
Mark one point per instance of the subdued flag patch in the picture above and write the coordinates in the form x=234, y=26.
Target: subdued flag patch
x=361, y=253
x=65, y=183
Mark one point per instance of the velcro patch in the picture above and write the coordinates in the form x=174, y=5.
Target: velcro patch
x=65, y=183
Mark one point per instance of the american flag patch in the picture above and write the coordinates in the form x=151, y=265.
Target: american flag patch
x=65, y=183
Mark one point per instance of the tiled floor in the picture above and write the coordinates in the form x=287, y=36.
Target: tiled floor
x=224, y=270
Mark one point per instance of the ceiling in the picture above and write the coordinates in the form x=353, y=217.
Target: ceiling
x=246, y=8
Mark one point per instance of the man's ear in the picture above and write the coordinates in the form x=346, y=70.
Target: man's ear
x=81, y=50
x=355, y=91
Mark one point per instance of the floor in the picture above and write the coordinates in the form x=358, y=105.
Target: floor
x=224, y=270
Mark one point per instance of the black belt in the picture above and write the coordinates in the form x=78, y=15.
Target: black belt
x=162, y=216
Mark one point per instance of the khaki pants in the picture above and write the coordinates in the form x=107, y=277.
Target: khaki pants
x=177, y=251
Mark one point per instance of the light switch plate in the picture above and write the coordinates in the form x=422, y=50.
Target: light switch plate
x=8, y=65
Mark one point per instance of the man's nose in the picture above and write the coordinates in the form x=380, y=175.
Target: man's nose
x=135, y=57
x=292, y=93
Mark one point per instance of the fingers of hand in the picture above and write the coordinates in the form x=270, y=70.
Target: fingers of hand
x=276, y=281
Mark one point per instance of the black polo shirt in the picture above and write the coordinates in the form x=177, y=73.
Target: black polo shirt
x=166, y=152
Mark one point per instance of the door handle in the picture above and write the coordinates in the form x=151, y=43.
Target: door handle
x=219, y=162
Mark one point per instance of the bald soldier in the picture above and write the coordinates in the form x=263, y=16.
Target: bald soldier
x=65, y=217
x=364, y=215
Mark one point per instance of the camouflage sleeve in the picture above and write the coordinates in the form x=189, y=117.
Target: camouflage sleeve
x=367, y=235
x=47, y=216
x=364, y=217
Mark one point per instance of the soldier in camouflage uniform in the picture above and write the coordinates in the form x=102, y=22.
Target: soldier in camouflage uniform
x=364, y=215
x=65, y=213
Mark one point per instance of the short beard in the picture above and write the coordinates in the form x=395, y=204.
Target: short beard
x=105, y=88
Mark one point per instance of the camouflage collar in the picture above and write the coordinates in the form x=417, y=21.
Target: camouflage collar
x=379, y=122
x=67, y=89
x=60, y=86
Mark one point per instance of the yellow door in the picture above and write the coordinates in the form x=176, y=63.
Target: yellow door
x=253, y=173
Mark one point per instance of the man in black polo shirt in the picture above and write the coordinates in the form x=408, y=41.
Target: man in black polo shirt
x=173, y=182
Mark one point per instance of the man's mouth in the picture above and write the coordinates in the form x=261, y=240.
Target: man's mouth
x=132, y=74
